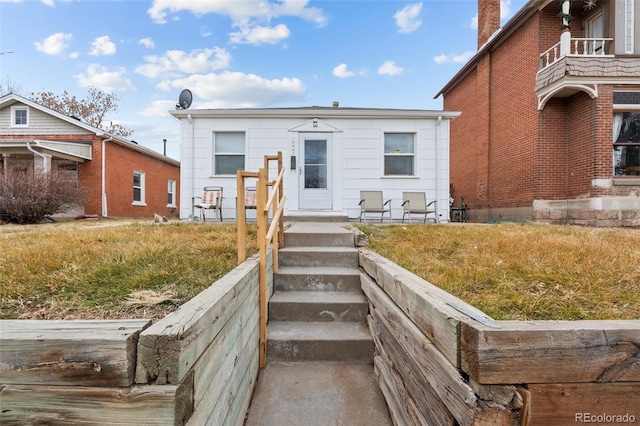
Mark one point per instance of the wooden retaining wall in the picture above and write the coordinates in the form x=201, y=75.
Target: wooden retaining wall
x=439, y=361
x=196, y=366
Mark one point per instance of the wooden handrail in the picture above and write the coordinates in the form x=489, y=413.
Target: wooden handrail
x=268, y=233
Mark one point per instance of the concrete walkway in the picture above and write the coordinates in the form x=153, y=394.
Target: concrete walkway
x=319, y=368
x=317, y=394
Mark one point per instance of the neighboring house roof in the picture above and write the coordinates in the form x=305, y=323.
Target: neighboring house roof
x=529, y=9
x=314, y=111
x=13, y=98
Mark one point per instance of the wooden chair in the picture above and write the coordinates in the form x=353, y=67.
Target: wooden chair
x=211, y=200
x=416, y=203
x=371, y=202
x=250, y=198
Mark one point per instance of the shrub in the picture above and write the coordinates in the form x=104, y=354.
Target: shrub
x=29, y=197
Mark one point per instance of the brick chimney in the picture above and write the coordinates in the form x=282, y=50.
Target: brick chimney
x=488, y=19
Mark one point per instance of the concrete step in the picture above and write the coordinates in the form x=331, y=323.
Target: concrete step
x=319, y=341
x=301, y=278
x=318, y=234
x=318, y=306
x=329, y=217
x=318, y=256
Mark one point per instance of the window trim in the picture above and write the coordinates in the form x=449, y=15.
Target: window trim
x=171, y=190
x=238, y=154
x=142, y=201
x=13, y=116
x=629, y=19
x=620, y=110
x=413, y=155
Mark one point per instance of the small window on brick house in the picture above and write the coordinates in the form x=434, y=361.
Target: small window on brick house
x=626, y=143
x=399, y=154
x=138, y=188
x=171, y=193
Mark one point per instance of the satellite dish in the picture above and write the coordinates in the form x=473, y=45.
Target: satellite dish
x=185, y=99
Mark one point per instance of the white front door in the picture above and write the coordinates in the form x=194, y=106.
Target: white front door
x=314, y=171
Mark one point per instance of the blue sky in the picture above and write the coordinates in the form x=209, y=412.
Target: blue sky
x=237, y=53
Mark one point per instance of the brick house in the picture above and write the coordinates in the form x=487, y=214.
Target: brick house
x=550, y=123
x=119, y=177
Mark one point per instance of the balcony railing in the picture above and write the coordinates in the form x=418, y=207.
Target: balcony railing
x=583, y=47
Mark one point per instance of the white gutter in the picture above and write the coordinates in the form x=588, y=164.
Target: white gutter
x=193, y=165
x=438, y=124
x=105, y=212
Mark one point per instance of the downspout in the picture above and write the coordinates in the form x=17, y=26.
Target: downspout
x=39, y=154
x=104, y=176
x=438, y=124
x=193, y=165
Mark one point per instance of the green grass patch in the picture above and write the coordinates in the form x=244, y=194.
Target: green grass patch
x=102, y=269
x=523, y=271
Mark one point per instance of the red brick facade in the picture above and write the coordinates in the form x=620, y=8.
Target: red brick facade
x=505, y=152
x=121, y=159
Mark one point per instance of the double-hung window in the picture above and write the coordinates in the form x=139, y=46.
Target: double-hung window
x=19, y=116
x=138, y=188
x=171, y=193
x=626, y=143
x=399, y=154
x=228, y=152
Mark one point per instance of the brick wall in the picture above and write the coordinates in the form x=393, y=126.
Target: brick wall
x=120, y=165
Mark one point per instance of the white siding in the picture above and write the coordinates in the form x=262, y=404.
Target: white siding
x=40, y=123
x=358, y=150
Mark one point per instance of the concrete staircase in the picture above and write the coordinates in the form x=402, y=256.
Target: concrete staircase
x=318, y=311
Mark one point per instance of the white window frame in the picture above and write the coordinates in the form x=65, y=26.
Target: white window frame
x=171, y=193
x=229, y=153
x=629, y=18
x=141, y=201
x=14, y=110
x=399, y=154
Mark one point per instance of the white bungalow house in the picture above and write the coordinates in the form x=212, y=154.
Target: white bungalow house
x=330, y=153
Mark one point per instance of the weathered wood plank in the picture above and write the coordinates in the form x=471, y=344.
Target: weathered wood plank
x=552, y=352
x=414, y=390
x=244, y=374
x=575, y=403
x=426, y=304
x=401, y=413
x=429, y=363
x=66, y=405
x=169, y=348
x=93, y=353
x=215, y=378
x=227, y=344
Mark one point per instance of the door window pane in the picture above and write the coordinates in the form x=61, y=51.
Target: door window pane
x=315, y=164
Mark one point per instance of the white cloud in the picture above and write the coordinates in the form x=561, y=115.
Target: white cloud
x=102, y=46
x=452, y=58
x=55, y=44
x=341, y=71
x=239, y=90
x=178, y=62
x=48, y=3
x=260, y=35
x=408, y=19
x=390, y=68
x=238, y=10
x=159, y=108
x=474, y=22
x=147, y=42
x=104, y=79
